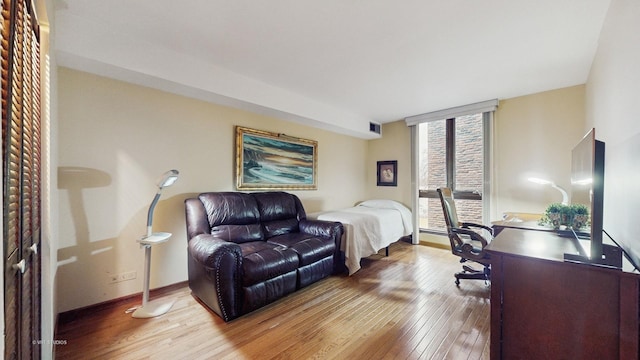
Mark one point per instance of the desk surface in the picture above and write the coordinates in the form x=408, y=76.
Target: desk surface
x=536, y=244
x=528, y=225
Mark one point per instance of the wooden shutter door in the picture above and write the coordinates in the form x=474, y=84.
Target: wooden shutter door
x=11, y=183
x=21, y=141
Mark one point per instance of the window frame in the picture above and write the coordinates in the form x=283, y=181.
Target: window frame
x=450, y=144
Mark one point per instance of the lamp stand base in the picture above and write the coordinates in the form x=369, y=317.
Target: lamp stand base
x=153, y=309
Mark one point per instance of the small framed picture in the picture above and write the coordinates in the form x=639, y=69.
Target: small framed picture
x=388, y=173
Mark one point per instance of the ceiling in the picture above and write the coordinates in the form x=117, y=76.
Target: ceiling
x=334, y=64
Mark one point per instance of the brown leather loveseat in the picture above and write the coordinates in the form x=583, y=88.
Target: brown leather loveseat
x=248, y=250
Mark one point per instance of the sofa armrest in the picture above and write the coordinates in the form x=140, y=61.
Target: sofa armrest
x=207, y=249
x=215, y=268
x=196, y=216
x=321, y=228
x=332, y=229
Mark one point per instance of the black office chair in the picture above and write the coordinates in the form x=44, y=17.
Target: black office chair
x=465, y=243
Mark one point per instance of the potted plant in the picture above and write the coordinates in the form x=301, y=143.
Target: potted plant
x=580, y=216
x=554, y=214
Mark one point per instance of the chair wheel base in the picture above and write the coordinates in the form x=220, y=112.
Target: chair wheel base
x=470, y=273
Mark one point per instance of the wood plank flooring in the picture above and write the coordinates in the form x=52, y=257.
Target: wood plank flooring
x=405, y=306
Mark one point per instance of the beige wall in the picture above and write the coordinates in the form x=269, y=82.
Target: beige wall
x=613, y=91
x=534, y=135
x=395, y=144
x=115, y=139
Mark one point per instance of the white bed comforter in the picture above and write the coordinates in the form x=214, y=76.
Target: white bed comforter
x=369, y=227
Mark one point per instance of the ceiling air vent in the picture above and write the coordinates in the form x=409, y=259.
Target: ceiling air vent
x=374, y=128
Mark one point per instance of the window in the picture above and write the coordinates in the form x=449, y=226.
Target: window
x=451, y=154
x=451, y=148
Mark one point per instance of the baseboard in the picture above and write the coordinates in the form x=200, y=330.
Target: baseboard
x=435, y=245
x=67, y=316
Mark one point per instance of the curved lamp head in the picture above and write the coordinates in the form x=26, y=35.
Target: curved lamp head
x=167, y=179
x=565, y=196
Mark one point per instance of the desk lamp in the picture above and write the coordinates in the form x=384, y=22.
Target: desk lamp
x=565, y=197
x=152, y=309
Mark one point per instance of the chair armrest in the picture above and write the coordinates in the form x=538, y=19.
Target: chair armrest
x=472, y=234
x=468, y=225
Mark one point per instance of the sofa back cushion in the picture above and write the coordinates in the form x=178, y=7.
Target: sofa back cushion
x=232, y=216
x=280, y=213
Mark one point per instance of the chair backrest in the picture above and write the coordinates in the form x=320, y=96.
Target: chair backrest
x=450, y=218
x=448, y=208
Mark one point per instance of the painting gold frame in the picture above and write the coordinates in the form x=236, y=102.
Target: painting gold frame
x=273, y=161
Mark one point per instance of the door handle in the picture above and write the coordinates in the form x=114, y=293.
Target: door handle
x=22, y=266
x=33, y=249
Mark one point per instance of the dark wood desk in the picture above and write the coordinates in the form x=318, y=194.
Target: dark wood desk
x=498, y=226
x=545, y=308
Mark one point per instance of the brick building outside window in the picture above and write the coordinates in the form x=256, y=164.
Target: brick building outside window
x=451, y=154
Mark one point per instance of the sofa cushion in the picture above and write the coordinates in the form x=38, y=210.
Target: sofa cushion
x=309, y=248
x=238, y=233
x=279, y=213
x=279, y=227
x=232, y=216
x=262, y=261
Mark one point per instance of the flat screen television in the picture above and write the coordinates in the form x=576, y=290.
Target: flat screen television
x=587, y=188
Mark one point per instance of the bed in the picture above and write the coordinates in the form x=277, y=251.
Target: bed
x=368, y=227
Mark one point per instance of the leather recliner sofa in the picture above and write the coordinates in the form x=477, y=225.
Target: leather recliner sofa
x=246, y=250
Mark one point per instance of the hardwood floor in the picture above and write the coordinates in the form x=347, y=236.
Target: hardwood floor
x=405, y=306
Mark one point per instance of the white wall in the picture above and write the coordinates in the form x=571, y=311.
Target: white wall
x=116, y=138
x=613, y=91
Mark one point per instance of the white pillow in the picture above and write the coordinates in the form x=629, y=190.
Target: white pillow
x=381, y=204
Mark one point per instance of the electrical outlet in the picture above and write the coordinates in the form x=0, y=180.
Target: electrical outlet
x=129, y=275
x=115, y=278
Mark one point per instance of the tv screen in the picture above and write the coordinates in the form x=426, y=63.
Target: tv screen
x=582, y=165
x=587, y=188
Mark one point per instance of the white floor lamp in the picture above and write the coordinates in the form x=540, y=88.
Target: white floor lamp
x=154, y=308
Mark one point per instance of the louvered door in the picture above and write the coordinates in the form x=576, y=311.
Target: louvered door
x=21, y=140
